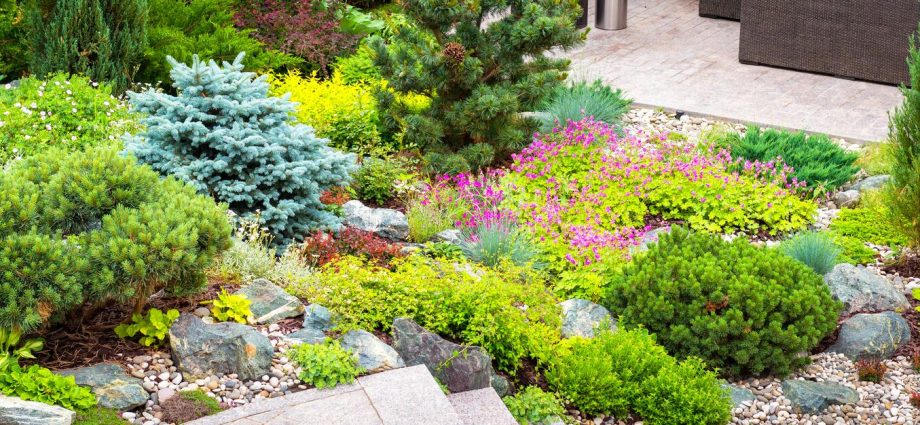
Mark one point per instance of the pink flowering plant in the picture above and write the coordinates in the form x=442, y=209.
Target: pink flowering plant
x=586, y=194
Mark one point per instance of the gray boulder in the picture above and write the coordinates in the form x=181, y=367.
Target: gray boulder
x=863, y=290
x=875, y=336
x=460, y=367
x=847, y=198
x=451, y=236
x=113, y=387
x=200, y=349
x=372, y=354
x=318, y=318
x=738, y=395
x=387, y=223
x=813, y=397
x=307, y=336
x=871, y=182
x=16, y=411
x=582, y=317
x=269, y=302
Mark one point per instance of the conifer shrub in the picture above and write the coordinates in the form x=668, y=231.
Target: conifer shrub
x=815, y=159
x=458, y=300
x=231, y=140
x=742, y=309
x=182, y=28
x=94, y=226
x=102, y=39
x=480, y=77
x=626, y=372
x=903, y=194
x=66, y=112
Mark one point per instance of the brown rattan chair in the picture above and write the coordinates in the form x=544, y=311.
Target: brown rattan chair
x=861, y=39
x=728, y=9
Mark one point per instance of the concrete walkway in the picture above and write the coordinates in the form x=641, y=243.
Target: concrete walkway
x=670, y=57
x=407, y=396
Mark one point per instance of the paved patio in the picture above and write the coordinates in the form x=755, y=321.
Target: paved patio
x=672, y=58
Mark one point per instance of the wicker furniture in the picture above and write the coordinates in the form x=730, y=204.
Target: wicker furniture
x=729, y=9
x=862, y=39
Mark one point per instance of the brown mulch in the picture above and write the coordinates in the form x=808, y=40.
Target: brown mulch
x=85, y=341
x=908, y=265
x=912, y=316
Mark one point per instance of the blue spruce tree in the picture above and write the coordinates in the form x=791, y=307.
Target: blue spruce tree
x=223, y=134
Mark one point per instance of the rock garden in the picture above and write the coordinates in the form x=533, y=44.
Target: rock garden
x=239, y=200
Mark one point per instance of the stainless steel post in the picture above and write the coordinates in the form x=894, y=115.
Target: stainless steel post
x=611, y=14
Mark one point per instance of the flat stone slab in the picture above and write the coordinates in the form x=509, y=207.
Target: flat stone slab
x=112, y=387
x=481, y=407
x=16, y=411
x=270, y=303
x=406, y=396
x=813, y=397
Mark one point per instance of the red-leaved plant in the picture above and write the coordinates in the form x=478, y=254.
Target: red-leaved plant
x=322, y=248
x=305, y=28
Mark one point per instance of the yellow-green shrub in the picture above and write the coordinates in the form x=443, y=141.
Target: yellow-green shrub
x=479, y=306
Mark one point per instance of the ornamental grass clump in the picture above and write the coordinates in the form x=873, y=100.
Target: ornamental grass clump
x=580, y=100
x=816, y=250
x=744, y=310
x=228, y=138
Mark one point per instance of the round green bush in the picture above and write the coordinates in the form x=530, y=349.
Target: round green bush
x=93, y=227
x=626, y=372
x=742, y=309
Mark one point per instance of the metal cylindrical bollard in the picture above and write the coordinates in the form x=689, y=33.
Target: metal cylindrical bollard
x=611, y=14
x=583, y=19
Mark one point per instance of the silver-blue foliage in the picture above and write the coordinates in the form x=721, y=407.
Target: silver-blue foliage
x=224, y=134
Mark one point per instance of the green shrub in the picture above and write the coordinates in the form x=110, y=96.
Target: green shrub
x=815, y=250
x=231, y=307
x=445, y=250
x=154, y=326
x=853, y=251
x=94, y=226
x=13, y=46
x=479, y=156
x=533, y=406
x=69, y=113
x=870, y=222
x=451, y=164
x=358, y=67
x=626, y=372
x=458, y=300
x=36, y=383
x=102, y=39
x=742, y=309
x=903, y=193
x=182, y=28
x=376, y=179
x=325, y=365
x=876, y=159
x=816, y=159
x=491, y=244
x=580, y=100
x=687, y=394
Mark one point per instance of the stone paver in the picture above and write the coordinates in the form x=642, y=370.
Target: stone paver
x=672, y=58
x=481, y=407
x=406, y=396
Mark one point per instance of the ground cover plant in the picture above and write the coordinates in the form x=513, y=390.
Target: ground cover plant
x=727, y=303
x=64, y=112
x=534, y=406
x=476, y=305
x=325, y=365
x=94, y=226
x=815, y=159
x=235, y=142
x=480, y=77
x=626, y=372
x=870, y=222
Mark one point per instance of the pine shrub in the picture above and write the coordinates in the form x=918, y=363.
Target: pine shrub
x=93, y=226
x=231, y=140
x=742, y=309
x=481, y=77
x=626, y=372
x=13, y=43
x=904, y=131
x=815, y=159
x=102, y=39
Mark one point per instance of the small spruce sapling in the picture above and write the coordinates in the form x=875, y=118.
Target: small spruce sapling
x=226, y=136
